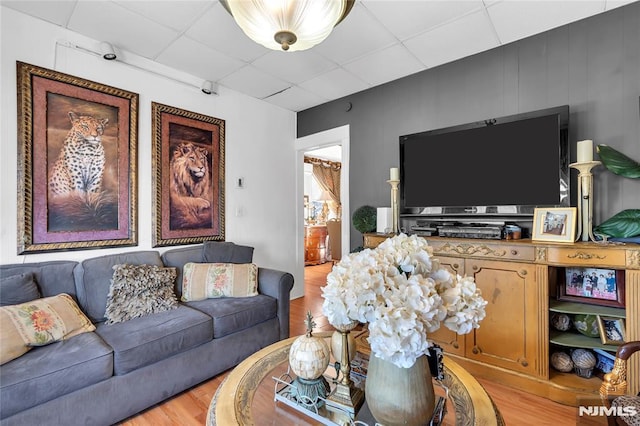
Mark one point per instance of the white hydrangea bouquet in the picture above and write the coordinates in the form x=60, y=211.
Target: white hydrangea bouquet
x=403, y=294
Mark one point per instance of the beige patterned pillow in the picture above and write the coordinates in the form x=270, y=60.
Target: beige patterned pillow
x=38, y=323
x=210, y=280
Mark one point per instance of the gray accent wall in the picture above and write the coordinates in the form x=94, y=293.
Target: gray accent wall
x=591, y=65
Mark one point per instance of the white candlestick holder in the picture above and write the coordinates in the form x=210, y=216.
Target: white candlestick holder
x=585, y=199
x=395, y=208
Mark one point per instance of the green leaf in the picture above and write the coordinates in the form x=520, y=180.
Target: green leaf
x=618, y=163
x=625, y=224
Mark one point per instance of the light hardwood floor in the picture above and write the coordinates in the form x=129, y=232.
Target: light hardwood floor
x=190, y=407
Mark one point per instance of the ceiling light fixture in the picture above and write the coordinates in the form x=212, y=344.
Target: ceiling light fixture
x=107, y=51
x=207, y=88
x=290, y=25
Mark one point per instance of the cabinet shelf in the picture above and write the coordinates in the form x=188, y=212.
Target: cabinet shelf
x=575, y=340
x=582, y=308
x=573, y=381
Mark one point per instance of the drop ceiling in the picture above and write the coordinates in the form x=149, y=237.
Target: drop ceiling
x=378, y=42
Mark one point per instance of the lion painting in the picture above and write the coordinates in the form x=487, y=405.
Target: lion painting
x=190, y=188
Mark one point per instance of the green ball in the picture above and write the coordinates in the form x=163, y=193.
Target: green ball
x=587, y=325
x=365, y=219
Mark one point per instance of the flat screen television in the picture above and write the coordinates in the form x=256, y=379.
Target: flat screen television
x=503, y=166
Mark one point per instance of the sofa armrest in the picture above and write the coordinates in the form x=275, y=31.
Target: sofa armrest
x=277, y=284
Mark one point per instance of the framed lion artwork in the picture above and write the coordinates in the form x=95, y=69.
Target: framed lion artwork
x=188, y=171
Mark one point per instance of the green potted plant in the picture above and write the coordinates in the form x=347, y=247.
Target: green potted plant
x=364, y=219
x=625, y=224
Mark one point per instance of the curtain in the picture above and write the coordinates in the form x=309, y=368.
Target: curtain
x=327, y=174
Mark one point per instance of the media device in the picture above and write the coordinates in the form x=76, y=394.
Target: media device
x=500, y=167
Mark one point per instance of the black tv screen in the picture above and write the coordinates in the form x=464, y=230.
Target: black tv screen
x=507, y=165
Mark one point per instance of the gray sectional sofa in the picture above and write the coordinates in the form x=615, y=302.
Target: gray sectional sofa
x=105, y=376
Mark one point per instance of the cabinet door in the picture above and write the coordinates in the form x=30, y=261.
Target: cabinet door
x=510, y=335
x=450, y=341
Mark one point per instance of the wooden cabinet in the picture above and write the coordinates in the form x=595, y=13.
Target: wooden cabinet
x=520, y=279
x=373, y=239
x=315, y=244
x=510, y=336
x=450, y=341
x=511, y=291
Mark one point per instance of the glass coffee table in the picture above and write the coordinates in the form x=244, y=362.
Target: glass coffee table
x=247, y=395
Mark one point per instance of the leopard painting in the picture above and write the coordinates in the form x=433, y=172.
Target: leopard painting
x=80, y=164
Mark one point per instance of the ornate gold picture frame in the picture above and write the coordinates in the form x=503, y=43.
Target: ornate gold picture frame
x=188, y=176
x=77, y=160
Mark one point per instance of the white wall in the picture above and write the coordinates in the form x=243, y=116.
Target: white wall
x=259, y=146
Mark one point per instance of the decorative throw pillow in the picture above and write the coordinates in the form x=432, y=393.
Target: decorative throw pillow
x=139, y=290
x=38, y=323
x=210, y=280
x=17, y=289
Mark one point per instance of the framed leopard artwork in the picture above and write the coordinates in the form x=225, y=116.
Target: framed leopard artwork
x=77, y=162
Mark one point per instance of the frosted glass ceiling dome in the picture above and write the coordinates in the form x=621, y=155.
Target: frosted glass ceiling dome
x=290, y=25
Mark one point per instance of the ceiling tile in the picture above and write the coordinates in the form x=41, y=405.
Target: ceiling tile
x=189, y=55
x=296, y=99
x=449, y=42
x=334, y=84
x=217, y=29
x=120, y=27
x=517, y=20
x=360, y=33
x=380, y=40
x=409, y=18
x=252, y=82
x=55, y=12
x=176, y=14
x=293, y=66
x=375, y=69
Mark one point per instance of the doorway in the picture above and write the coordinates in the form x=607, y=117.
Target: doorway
x=322, y=141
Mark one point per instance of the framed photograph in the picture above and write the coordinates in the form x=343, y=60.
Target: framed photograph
x=77, y=160
x=612, y=330
x=188, y=176
x=596, y=286
x=554, y=224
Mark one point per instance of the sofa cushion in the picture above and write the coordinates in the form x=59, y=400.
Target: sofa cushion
x=139, y=290
x=177, y=258
x=226, y=252
x=208, y=280
x=53, y=277
x=234, y=314
x=145, y=340
x=54, y=370
x=93, y=278
x=16, y=289
x=38, y=323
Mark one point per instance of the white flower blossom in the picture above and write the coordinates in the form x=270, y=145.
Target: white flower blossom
x=403, y=294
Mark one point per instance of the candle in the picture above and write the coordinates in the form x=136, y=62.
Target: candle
x=394, y=173
x=585, y=151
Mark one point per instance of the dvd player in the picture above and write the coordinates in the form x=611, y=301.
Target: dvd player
x=470, y=231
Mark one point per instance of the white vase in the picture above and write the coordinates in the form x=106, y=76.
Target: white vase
x=399, y=396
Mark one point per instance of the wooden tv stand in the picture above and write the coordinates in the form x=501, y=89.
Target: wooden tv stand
x=520, y=279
